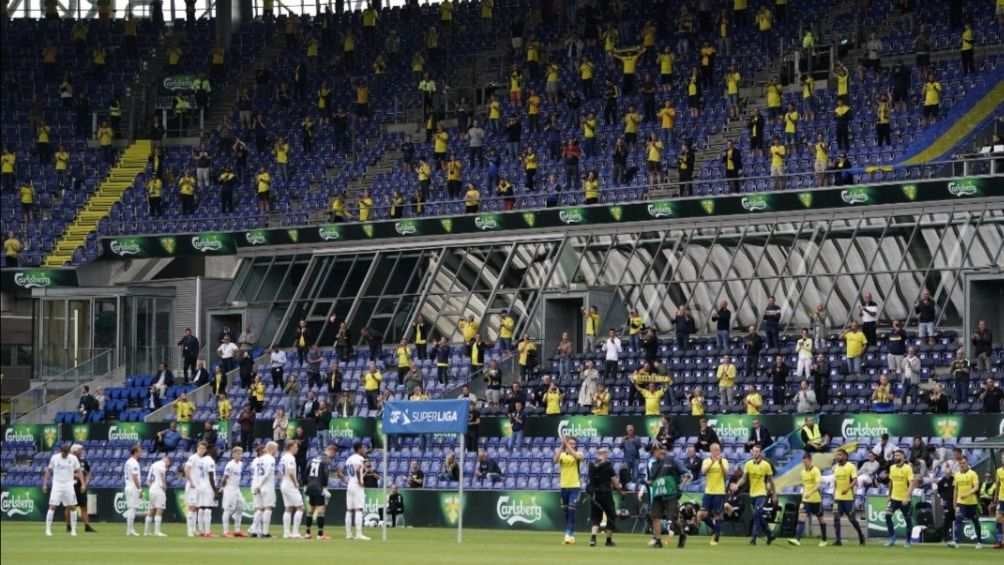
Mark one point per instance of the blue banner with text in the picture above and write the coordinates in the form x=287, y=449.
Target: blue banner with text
x=425, y=417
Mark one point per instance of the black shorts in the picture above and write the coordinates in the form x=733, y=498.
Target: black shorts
x=630, y=138
x=81, y=498
x=813, y=508
x=665, y=79
x=665, y=508
x=931, y=111
x=603, y=504
x=263, y=196
x=693, y=101
x=315, y=496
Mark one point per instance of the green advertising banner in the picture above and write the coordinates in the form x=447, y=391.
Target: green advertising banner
x=130, y=431
x=871, y=426
x=44, y=436
x=789, y=201
x=28, y=279
x=23, y=503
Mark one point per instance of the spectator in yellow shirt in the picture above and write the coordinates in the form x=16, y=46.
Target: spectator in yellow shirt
x=601, y=401
x=525, y=350
x=281, y=152
x=8, y=165
x=472, y=199
x=753, y=401
x=183, y=408
x=552, y=400
x=777, y=156
x=966, y=50
x=26, y=195
x=697, y=402
x=726, y=376
x=223, y=407
x=932, y=99
x=882, y=394
x=855, y=344
x=371, y=385
x=12, y=248
x=365, y=206
x=652, y=397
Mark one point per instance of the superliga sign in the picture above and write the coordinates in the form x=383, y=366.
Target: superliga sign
x=425, y=417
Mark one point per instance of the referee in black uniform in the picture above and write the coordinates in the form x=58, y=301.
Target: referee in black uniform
x=602, y=482
x=80, y=488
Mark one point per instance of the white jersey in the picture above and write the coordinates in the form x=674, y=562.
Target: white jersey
x=63, y=469
x=353, y=469
x=232, y=475
x=288, y=465
x=192, y=467
x=207, y=468
x=131, y=473
x=156, y=475
x=263, y=474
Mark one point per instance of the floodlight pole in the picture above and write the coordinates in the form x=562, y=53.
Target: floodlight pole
x=460, y=498
x=386, y=447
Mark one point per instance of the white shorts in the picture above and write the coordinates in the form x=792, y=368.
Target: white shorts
x=62, y=495
x=291, y=496
x=265, y=498
x=191, y=495
x=158, y=499
x=206, y=497
x=355, y=498
x=233, y=501
x=777, y=171
x=132, y=495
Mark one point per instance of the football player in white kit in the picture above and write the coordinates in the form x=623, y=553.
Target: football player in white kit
x=233, y=503
x=191, y=469
x=263, y=489
x=156, y=481
x=63, y=467
x=206, y=495
x=355, y=495
x=292, y=498
x=133, y=488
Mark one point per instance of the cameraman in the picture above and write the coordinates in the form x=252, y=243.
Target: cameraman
x=666, y=478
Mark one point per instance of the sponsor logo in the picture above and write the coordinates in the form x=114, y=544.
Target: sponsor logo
x=450, y=506
x=854, y=196
x=577, y=428
x=49, y=436
x=122, y=432
x=207, y=243
x=756, y=203
x=661, y=209
x=616, y=212
x=341, y=429
x=487, y=222
x=963, y=188
x=16, y=504
x=708, y=205
x=123, y=247
x=519, y=510
x=403, y=418
x=256, y=237
x=529, y=218
x=368, y=230
x=399, y=417
x=910, y=191
x=169, y=244
x=947, y=427
x=121, y=503
x=330, y=233
x=294, y=235
x=179, y=82
x=447, y=224
x=32, y=279
x=81, y=433
x=805, y=198
x=851, y=428
x=731, y=428
x=572, y=216
x=18, y=434
x=406, y=227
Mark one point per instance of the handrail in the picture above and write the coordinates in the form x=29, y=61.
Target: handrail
x=622, y=194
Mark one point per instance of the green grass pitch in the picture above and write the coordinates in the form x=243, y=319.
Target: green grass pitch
x=22, y=543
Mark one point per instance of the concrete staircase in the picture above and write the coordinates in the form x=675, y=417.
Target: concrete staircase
x=120, y=178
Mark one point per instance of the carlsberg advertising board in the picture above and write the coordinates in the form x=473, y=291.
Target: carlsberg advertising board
x=22, y=503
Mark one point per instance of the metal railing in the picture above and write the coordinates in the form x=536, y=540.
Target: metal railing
x=57, y=363
x=703, y=188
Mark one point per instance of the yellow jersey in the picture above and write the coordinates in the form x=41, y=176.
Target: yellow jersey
x=844, y=477
x=882, y=112
x=592, y=323
x=27, y=194
x=591, y=188
x=630, y=63
x=726, y=375
x=822, y=152
x=7, y=162
x=855, y=342
x=901, y=479
x=258, y=390
x=754, y=402
x=732, y=82
x=533, y=105
x=773, y=96
x=654, y=151
x=569, y=471
x=790, y=122
x=524, y=348
x=808, y=87
x=440, y=140
x=530, y=162
x=586, y=70
x=1000, y=470
x=403, y=356
x=757, y=475
x=777, y=154
x=468, y=329
x=932, y=93
x=843, y=85
x=186, y=185
x=495, y=110
x=371, y=381
x=706, y=54
x=183, y=411
x=697, y=406
x=667, y=118
x=653, y=398
x=62, y=160
x=282, y=153
x=631, y=122
x=472, y=197
x=105, y=136
x=967, y=40
x=154, y=188
x=714, y=473
x=666, y=61
x=967, y=488
x=223, y=409
x=811, y=479
x=453, y=169
x=506, y=327
x=601, y=404
x=635, y=324
x=264, y=182
x=589, y=128
x=365, y=207
x=552, y=402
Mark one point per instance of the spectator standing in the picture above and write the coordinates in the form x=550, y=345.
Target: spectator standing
x=803, y=348
x=590, y=381
x=983, y=344
x=925, y=311
x=910, y=372
x=291, y=390
x=190, y=347
x=772, y=323
x=632, y=446
x=855, y=344
x=246, y=340
x=960, y=370
x=12, y=248
x=937, y=402
x=779, y=380
x=754, y=345
x=517, y=419
x=302, y=341
x=896, y=346
x=821, y=379
x=991, y=396
x=277, y=364
x=611, y=353
x=88, y=403
x=592, y=323
x=245, y=420
x=726, y=376
x=685, y=325
x=280, y=425
x=564, y=352
x=314, y=359
x=228, y=354
x=723, y=324
x=805, y=400
x=869, y=318
x=372, y=379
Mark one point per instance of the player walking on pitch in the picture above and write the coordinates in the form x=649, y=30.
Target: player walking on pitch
x=263, y=490
x=292, y=498
x=567, y=457
x=812, y=500
x=845, y=475
x=156, y=481
x=758, y=472
x=133, y=488
x=233, y=502
x=317, y=490
x=999, y=504
x=191, y=470
x=901, y=483
x=206, y=494
x=715, y=469
x=63, y=468
x=355, y=494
